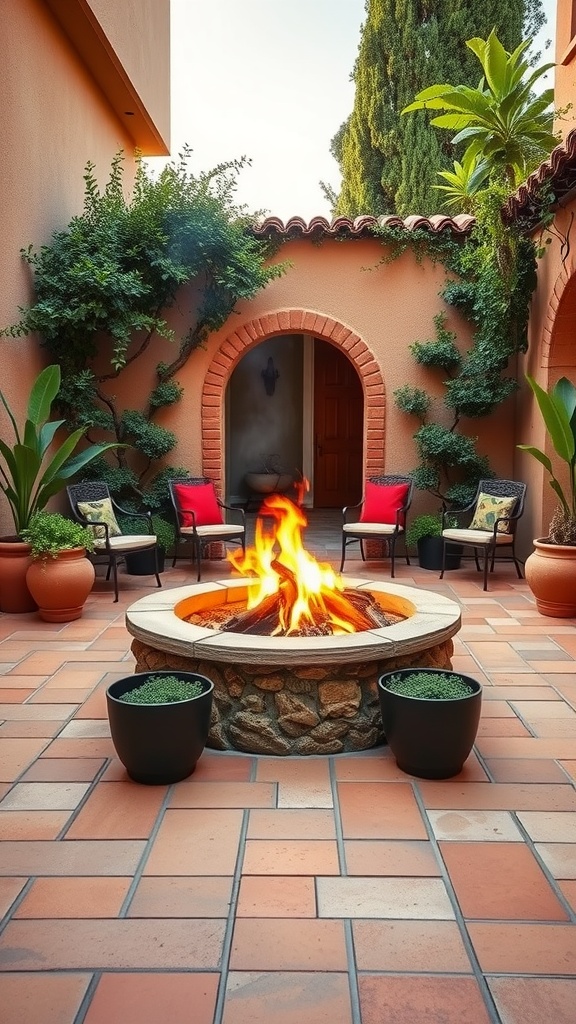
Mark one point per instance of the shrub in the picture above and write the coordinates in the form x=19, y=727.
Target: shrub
x=430, y=686
x=163, y=690
x=49, y=533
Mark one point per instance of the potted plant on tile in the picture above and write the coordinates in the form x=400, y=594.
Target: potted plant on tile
x=425, y=533
x=159, y=723
x=430, y=718
x=59, y=576
x=143, y=563
x=551, y=568
x=33, y=468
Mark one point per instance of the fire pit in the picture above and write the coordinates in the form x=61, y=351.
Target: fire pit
x=294, y=649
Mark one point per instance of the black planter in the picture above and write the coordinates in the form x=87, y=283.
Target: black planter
x=143, y=563
x=159, y=743
x=430, y=554
x=429, y=738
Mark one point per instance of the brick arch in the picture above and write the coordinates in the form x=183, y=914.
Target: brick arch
x=558, y=330
x=290, y=321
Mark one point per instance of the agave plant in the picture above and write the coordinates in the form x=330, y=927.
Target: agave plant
x=558, y=408
x=36, y=467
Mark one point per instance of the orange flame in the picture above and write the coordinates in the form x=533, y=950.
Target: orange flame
x=310, y=590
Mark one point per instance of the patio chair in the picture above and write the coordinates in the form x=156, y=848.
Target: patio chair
x=494, y=514
x=381, y=515
x=93, y=506
x=199, y=518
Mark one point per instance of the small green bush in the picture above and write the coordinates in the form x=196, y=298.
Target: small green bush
x=424, y=526
x=49, y=533
x=430, y=686
x=162, y=690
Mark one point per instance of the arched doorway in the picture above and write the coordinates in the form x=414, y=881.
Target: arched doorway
x=338, y=428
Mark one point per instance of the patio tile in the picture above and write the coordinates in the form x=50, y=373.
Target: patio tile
x=181, y=897
x=524, y=948
x=118, y=810
x=371, y=810
x=280, y=896
x=419, y=1000
x=532, y=1000
x=477, y=826
x=137, y=998
x=503, y=881
x=394, y=857
x=81, y=747
x=192, y=842
x=16, y=755
x=32, y=824
x=288, y=945
x=59, y=995
x=525, y=770
x=96, y=944
x=568, y=890
x=10, y=888
x=29, y=730
x=498, y=796
x=314, y=997
x=549, y=827
x=559, y=858
x=382, y=768
x=553, y=727
x=291, y=857
x=301, y=783
x=407, y=898
x=40, y=796
x=51, y=769
x=223, y=767
x=560, y=748
x=79, y=858
x=223, y=794
x=426, y=946
x=85, y=727
x=74, y=897
x=291, y=823
x=33, y=712
x=8, y=695
x=45, y=696
x=502, y=727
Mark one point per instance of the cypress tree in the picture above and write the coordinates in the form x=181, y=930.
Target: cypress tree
x=389, y=163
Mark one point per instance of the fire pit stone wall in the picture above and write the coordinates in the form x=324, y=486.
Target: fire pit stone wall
x=293, y=695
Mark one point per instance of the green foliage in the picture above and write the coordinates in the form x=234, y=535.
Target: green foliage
x=430, y=686
x=36, y=467
x=389, y=163
x=164, y=530
x=429, y=525
x=413, y=400
x=49, y=533
x=103, y=286
x=558, y=409
x=163, y=690
x=441, y=353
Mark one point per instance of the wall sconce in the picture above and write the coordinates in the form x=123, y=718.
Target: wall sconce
x=270, y=376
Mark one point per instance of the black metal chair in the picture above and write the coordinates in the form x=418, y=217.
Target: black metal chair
x=381, y=515
x=109, y=540
x=199, y=519
x=499, y=527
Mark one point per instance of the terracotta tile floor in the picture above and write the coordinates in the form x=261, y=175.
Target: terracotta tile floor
x=314, y=891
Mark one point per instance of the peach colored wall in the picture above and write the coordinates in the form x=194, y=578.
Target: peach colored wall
x=55, y=119
x=388, y=308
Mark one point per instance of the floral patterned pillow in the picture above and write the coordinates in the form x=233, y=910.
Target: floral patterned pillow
x=489, y=508
x=100, y=512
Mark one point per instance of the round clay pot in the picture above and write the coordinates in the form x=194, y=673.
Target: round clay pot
x=14, y=563
x=61, y=585
x=551, y=575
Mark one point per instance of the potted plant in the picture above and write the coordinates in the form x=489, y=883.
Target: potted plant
x=425, y=532
x=143, y=563
x=33, y=469
x=59, y=576
x=551, y=568
x=159, y=723
x=430, y=718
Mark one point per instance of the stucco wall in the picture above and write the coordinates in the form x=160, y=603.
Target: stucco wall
x=55, y=119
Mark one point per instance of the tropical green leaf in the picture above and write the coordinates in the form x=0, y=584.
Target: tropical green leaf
x=43, y=393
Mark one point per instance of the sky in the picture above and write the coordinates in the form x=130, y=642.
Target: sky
x=270, y=80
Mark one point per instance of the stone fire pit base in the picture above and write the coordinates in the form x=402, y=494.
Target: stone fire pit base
x=267, y=709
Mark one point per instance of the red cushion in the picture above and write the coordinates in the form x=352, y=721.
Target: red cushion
x=201, y=499
x=381, y=502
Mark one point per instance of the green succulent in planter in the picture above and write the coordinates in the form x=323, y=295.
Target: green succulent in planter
x=427, y=525
x=558, y=408
x=49, y=533
x=163, y=690
x=36, y=467
x=430, y=686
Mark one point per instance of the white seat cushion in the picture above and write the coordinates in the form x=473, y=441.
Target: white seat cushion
x=479, y=537
x=127, y=542
x=370, y=529
x=218, y=530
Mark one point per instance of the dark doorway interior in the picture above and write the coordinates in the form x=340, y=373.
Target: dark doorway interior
x=338, y=428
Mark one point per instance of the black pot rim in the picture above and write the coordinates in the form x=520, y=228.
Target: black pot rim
x=404, y=672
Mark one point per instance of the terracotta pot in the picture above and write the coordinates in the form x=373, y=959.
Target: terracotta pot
x=61, y=585
x=14, y=563
x=551, y=575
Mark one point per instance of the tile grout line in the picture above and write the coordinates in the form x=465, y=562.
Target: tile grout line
x=483, y=986
x=552, y=881
x=348, y=935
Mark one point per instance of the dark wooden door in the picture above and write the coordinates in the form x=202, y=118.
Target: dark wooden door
x=338, y=428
